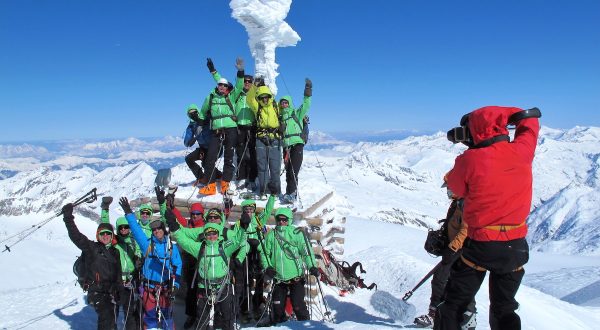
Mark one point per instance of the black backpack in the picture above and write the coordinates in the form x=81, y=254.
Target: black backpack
x=80, y=269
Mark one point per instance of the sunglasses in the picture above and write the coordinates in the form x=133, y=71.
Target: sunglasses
x=104, y=233
x=123, y=227
x=282, y=219
x=247, y=81
x=196, y=213
x=211, y=233
x=248, y=208
x=222, y=85
x=264, y=98
x=145, y=213
x=213, y=217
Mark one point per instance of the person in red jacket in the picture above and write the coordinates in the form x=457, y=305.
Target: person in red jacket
x=494, y=176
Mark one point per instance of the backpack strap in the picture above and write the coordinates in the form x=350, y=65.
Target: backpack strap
x=228, y=101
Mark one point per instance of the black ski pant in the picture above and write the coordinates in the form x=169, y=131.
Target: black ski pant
x=129, y=305
x=245, y=151
x=105, y=308
x=191, y=293
x=245, y=276
x=439, y=280
x=504, y=260
x=296, y=293
x=225, y=138
x=292, y=167
x=224, y=314
x=192, y=158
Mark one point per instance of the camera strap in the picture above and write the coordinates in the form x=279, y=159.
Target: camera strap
x=489, y=142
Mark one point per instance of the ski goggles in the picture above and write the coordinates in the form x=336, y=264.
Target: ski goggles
x=282, y=218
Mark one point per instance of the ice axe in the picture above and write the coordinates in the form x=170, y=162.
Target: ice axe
x=163, y=178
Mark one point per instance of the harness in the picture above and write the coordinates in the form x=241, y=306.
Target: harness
x=479, y=268
x=295, y=118
x=504, y=228
x=264, y=132
x=152, y=255
x=228, y=101
x=200, y=254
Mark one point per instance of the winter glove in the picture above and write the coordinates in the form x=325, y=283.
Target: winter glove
x=259, y=81
x=210, y=65
x=170, y=199
x=236, y=263
x=201, y=237
x=269, y=274
x=308, y=87
x=245, y=220
x=239, y=64
x=314, y=271
x=194, y=116
x=67, y=212
x=272, y=188
x=125, y=205
x=106, y=202
x=171, y=221
x=160, y=195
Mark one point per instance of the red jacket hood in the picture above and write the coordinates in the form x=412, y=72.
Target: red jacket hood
x=488, y=122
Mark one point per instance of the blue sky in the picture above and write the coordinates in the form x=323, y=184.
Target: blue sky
x=110, y=69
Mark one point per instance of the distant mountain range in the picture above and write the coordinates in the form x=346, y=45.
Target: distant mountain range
x=393, y=180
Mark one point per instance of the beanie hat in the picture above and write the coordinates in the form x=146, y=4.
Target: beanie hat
x=156, y=223
x=105, y=228
x=197, y=207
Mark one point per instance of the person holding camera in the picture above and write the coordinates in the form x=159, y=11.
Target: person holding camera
x=494, y=177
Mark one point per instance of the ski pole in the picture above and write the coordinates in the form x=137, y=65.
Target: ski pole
x=89, y=197
x=427, y=276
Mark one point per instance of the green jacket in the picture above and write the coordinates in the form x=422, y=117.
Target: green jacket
x=146, y=226
x=294, y=126
x=129, y=251
x=234, y=234
x=213, y=261
x=219, y=111
x=287, y=252
x=245, y=116
x=259, y=221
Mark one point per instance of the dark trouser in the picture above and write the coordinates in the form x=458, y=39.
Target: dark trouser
x=439, y=280
x=223, y=308
x=245, y=151
x=501, y=259
x=296, y=291
x=128, y=303
x=102, y=303
x=251, y=270
x=191, y=293
x=192, y=157
x=268, y=161
x=229, y=136
x=292, y=167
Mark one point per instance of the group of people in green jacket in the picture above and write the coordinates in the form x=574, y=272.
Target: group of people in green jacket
x=252, y=131
x=231, y=264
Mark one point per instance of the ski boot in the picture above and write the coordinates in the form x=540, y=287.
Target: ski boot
x=425, y=320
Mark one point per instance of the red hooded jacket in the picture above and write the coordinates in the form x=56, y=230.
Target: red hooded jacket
x=199, y=222
x=496, y=181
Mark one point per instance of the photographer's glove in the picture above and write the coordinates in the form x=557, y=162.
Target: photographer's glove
x=210, y=65
x=125, y=205
x=106, y=202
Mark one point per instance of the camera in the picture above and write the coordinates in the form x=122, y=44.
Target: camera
x=462, y=134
